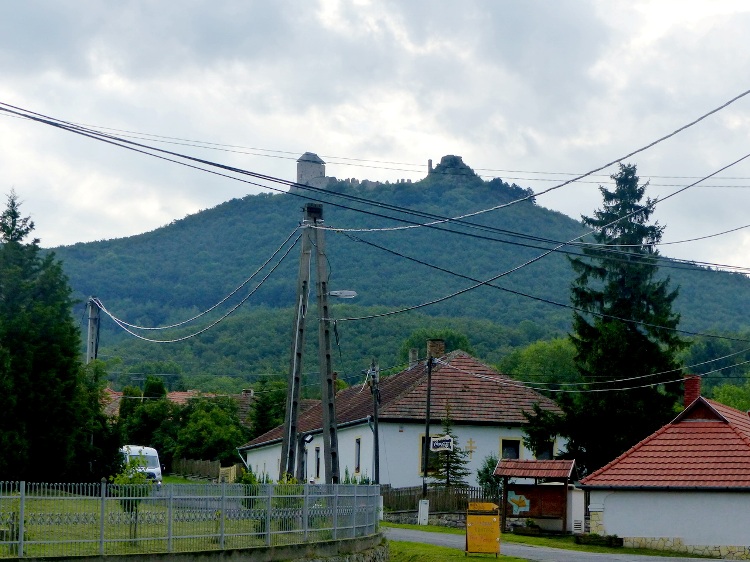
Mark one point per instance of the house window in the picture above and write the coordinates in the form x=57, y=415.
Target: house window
x=546, y=452
x=432, y=459
x=357, y=454
x=510, y=448
x=317, y=462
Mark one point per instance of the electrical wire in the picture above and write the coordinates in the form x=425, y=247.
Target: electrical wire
x=213, y=324
x=333, y=159
x=122, y=322
x=87, y=132
x=518, y=384
x=537, y=258
x=488, y=283
x=65, y=125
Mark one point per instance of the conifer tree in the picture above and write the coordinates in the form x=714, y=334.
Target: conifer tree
x=49, y=411
x=623, y=332
x=449, y=468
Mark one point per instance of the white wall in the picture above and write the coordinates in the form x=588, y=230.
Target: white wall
x=400, y=453
x=698, y=518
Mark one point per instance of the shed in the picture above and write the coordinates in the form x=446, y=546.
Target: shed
x=541, y=490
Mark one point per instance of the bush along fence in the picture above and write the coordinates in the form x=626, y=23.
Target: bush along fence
x=53, y=520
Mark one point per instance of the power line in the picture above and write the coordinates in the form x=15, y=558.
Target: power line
x=122, y=322
x=334, y=159
x=96, y=135
x=213, y=324
x=489, y=283
x=66, y=126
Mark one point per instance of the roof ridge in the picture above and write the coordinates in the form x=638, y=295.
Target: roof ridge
x=739, y=432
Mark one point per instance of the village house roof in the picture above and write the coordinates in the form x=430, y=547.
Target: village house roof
x=475, y=393
x=706, y=447
x=547, y=469
x=111, y=401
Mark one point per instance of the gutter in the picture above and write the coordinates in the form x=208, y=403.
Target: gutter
x=588, y=487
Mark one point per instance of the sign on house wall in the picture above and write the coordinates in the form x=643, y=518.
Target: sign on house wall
x=441, y=443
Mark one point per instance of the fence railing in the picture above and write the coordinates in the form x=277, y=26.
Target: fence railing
x=445, y=498
x=45, y=520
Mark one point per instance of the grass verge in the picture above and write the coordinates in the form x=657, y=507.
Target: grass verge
x=417, y=552
x=565, y=542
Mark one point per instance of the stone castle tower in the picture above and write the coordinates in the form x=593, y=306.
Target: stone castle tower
x=311, y=170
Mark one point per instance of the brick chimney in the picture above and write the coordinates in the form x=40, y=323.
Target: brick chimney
x=435, y=348
x=692, y=389
x=413, y=357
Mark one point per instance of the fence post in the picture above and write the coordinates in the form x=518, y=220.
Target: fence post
x=170, y=495
x=354, y=511
x=102, y=511
x=335, y=510
x=305, y=510
x=221, y=514
x=269, y=489
x=21, y=517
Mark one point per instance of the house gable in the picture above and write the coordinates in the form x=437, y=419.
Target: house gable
x=706, y=447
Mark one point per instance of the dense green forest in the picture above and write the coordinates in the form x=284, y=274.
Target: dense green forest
x=173, y=273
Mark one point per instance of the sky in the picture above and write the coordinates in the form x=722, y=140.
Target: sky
x=528, y=91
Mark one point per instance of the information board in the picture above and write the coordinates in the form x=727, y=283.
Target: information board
x=483, y=528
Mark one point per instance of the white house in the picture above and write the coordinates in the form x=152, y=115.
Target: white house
x=684, y=488
x=486, y=409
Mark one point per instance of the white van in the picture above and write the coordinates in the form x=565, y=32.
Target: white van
x=150, y=458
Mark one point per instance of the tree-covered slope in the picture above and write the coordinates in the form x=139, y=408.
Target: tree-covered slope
x=171, y=273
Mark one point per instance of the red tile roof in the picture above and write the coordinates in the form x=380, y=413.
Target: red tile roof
x=706, y=446
x=476, y=394
x=550, y=469
x=111, y=401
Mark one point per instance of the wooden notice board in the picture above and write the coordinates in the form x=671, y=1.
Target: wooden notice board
x=483, y=528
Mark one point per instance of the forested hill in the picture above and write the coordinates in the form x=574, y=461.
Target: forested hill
x=172, y=273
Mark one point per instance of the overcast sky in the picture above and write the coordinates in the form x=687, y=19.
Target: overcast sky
x=528, y=91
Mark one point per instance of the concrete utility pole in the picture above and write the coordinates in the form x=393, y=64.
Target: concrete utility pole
x=375, y=389
x=313, y=215
x=92, y=337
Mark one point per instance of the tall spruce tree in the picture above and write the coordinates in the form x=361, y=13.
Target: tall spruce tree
x=49, y=411
x=623, y=335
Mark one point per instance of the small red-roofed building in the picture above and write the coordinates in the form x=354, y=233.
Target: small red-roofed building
x=486, y=410
x=541, y=490
x=684, y=488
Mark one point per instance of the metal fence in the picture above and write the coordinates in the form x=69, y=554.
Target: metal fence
x=44, y=520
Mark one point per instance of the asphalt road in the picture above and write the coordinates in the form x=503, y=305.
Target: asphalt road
x=539, y=553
